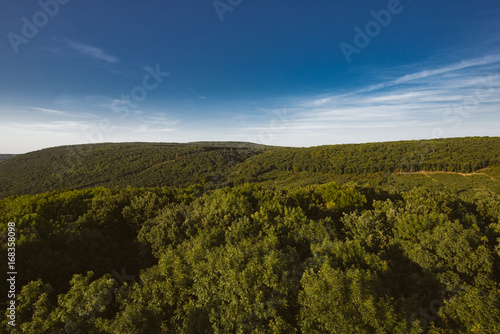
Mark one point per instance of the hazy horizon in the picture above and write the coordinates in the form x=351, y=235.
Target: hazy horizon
x=284, y=74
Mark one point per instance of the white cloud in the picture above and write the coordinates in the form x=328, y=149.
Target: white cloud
x=147, y=129
x=433, y=72
x=448, y=101
x=51, y=111
x=90, y=51
x=454, y=100
x=50, y=126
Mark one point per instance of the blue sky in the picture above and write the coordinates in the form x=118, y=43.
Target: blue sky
x=291, y=73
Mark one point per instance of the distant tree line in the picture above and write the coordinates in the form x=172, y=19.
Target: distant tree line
x=222, y=164
x=110, y=165
x=6, y=156
x=463, y=155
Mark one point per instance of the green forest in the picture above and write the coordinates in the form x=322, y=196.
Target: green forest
x=6, y=156
x=400, y=237
x=220, y=164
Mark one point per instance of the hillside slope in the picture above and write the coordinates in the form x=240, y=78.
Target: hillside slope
x=464, y=155
x=216, y=164
x=6, y=156
x=124, y=164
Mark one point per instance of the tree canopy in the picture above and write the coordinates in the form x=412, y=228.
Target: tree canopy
x=249, y=259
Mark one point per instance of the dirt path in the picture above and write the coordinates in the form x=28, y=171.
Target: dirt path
x=484, y=189
x=427, y=174
x=477, y=172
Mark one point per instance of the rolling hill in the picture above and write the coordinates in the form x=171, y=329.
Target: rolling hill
x=218, y=164
x=6, y=156
x=405, y=240
x=124, y=164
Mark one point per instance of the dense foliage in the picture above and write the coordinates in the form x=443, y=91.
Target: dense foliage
x=462, y=155
x=255, y=239
x=134, y=164
x=248, y=259
x=6, y=156
x=221, y=164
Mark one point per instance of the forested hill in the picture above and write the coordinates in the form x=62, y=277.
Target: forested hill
x=6, y=156
x=123, y=164
x=399, y=250
x=217, y=164
x=463, y=155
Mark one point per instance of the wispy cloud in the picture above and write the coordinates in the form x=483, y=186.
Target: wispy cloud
x=89, y=51
x=487, y=63
x=47, y=127
x=51, y=111
x=433, y=72
x=147, y=129
x=457, y=98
